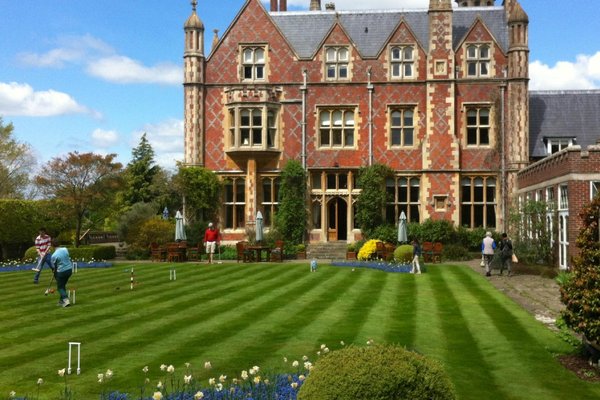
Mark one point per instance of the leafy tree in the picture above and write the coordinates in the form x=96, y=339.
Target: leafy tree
x=131, y=221
x=201, y=189
x=291, y=217
x=373, y=197
x=16, y=162
x=140, y=174
x=19, y=223
x=85, y=182
x=581, y=291
x=532, y=234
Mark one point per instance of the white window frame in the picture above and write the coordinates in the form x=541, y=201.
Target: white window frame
x=402, y=64
x=336, y=127
x=594, y=189
x=561, y=143
x=478, y=64
x=267, y=126
x=337, y=63
x=563, y=227
x=254, y=67
x=404, y=129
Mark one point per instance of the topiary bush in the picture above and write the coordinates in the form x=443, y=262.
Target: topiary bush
x=376, y=373
x=403, y=254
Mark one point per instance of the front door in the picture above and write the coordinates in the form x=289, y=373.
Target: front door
x=337, y=219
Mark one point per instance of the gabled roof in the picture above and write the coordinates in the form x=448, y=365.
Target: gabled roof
x=370, y=29
x=563, y=114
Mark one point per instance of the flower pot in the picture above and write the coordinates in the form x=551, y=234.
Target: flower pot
x=301, y=255
x=350, y=255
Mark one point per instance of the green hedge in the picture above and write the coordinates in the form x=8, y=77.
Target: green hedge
x=376, y=373
x=82, y=253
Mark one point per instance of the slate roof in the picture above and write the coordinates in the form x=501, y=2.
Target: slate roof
x=563, y=114
x=370, y=30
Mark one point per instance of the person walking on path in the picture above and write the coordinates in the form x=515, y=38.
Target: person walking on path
x=63, y=268
x=42, y=246
x=506, y=252
x=416, y=255
x=488, y=245
x=212, y=237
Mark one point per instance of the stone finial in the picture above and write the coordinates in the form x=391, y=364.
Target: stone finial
x=330, y=6
x=315, y=5
x=215, y=40
x=194, y=5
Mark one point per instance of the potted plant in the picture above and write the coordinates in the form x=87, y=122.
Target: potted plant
x=351, y=251
x=301, y=251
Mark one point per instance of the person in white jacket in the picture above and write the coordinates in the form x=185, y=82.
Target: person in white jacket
x=488, y=245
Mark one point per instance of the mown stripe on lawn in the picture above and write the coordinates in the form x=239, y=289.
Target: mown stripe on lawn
x=400, y=323
x=462, y=348
x=94, y=332
x=511, y=345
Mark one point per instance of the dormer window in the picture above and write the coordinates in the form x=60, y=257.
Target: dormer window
x=336, y=63
x=554, y=145
x=253, y=63
x=402, y=62
x=478, y=60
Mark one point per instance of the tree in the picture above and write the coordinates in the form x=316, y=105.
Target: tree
x=140, y=174
x=86, y=182
x=373, y=197
x=531, y=223
x=291, y=217
x=580, y=292
x=201, y=189
x=16, y=162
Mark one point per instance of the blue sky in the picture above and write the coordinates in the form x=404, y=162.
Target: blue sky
x=92, y=75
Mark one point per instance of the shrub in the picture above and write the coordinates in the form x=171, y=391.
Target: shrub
x=385, y=233
x=156, y=230
x=368, y=250
x=456, y=252
x=403, y=254
x=581, y=291
x=82, y=253
x=470, y=238
x=376, y=373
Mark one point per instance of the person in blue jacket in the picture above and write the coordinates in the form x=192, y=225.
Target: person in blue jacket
x=63, y=268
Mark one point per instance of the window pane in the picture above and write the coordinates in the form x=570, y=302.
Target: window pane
x=316, y=180
x=396, y=118
x=343, y=71
x=248, y=58
x=414, y=213
x=465, y=215
x=239, y=216
x=484, y=136
x=337, y=118
x=240, y=190
x=229, y=192
x=471, y=135
x=390, y=188
x=396, y=53
x=408, y=137
x=324, y=137
x=325, y=119
x=408, y=118
x=259, y=56
x=408, y=70
x=472, y=69
x=343, y=54
x=260, y=72
x=490, y=216
x=245, y=137
x=349, y=118
x=348, y=137
x=248, y=72
x=484, y=117
x=478, y=216
x=316, y=215
x=256, y=136
x=396, y=140
x=331, y=181
x=396, y=70
x=484, y=52
x=472, y=52
x=408, y=53
x=342, y=181
x=337, y=137
x=471, y=117
x=256, y=118
x=331, y=71
x=414, y=193
x=267, y=192
x=245, y=118
x=484, y=68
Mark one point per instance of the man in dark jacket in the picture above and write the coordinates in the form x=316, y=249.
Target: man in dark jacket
x=506, y=252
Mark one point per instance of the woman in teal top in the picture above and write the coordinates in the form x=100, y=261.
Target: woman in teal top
x=63, y=267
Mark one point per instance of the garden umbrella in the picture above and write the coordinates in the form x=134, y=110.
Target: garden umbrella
x=179, y=228
x=259, y=227
x=402, y=234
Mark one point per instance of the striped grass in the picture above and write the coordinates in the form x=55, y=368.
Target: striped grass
x=241, y=315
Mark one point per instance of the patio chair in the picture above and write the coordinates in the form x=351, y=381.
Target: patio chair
x=436, y=252
x=427, y=251
x=173, y=252
x=277, y=252
x=157, y=252
x=194, y=253
x=242, y=252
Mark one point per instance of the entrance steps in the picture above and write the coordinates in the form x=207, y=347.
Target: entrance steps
x=327, y=251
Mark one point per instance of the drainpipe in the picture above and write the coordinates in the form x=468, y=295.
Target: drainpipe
x=303, y=89
x=370, y=122
x=503, y=155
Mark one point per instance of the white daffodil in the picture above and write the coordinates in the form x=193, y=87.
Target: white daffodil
x=212, y=381
x=244, y=375
x=219, y=387
x=40, y=381
x=108, y=374
x=199, y=395
x=187, y=379
x=308, y=365
x=295, y=364
x=159, y=385
x=170, y=369
x=257, y=379
x=301, y=378
x=342, y=343
x=294, y=385
x=284, y=359
x=187, y=364
x=145, y=369
x=61, y=372
x=323, y=346
x=222, y=378
x=157, y=396
x=207, y=365
x=305, y=358
x=12, y=394
x=100, y=378
x=326, y=350
x=163, y=367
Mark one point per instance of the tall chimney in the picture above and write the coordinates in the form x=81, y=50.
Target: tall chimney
x=330, y=6
x=315, y=5
x=282, y=5
x=273, y=5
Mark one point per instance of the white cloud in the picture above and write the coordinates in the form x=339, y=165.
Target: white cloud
x=19, y=99
x=102, y=61
x=121, y=69
x=166, y=139
x=103, y=138
x=584, y=73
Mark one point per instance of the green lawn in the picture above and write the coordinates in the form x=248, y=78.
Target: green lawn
x=240, y=315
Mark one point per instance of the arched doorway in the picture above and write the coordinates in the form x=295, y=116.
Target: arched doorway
x=337, y=219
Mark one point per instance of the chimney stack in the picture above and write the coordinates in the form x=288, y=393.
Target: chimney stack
x=315, y=5
x=273, y=5
x=330, y=6
x=282, y=5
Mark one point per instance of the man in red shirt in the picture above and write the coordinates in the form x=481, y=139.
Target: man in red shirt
x=212, y=237
x=42, y=245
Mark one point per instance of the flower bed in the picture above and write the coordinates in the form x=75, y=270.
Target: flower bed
x=80, y=264
x=380, y=265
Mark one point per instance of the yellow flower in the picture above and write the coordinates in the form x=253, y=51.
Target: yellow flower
x=368, y=250
x=257, y=379
x=294, y=385
x=157, y=396
x=244, y=375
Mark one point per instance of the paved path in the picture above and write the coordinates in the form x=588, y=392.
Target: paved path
x=538, y=295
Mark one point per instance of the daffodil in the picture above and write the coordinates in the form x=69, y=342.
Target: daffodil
x=222, y=378
x=199, y=395
x=170, y=369
x=157, y=396
x=145, y=369
x=207, y=365
x=40, y=381
x=61, y=372
x=187, y=379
